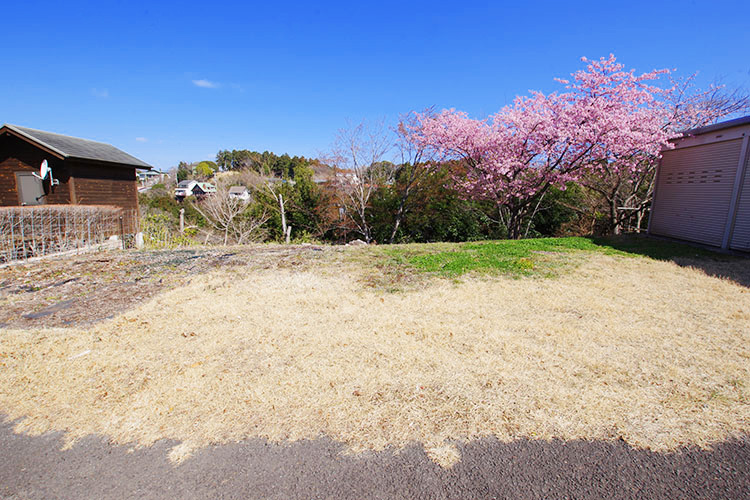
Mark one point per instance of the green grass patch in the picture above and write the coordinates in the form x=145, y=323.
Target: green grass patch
x=519, y=258
x=538, y=256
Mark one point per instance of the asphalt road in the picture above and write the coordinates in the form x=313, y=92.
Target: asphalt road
x=36, y=468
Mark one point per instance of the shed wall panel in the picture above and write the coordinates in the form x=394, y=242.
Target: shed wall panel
x=19, y=156
x=694, y=190
x=113, y=186
x=741, y=234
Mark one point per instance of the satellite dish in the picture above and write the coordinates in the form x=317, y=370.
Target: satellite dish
x=44, y=170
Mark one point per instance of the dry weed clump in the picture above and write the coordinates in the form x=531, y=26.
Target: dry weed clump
x=636, y=349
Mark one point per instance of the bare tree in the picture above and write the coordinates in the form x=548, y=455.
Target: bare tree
x=358, y=157
x=412, y=169
x=691, y=107
x=230, y=216
x=274, y=188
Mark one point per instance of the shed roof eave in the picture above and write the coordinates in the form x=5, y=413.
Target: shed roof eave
x=108, y=163
x=28, y=138
x=737, y=122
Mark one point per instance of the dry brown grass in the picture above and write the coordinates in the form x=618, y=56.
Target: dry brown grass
x=653, y=353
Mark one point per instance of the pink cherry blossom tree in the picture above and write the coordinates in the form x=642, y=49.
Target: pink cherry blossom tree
x=626, y=191
x=604, y=118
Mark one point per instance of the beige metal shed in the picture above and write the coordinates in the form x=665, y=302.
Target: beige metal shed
x=702, y=189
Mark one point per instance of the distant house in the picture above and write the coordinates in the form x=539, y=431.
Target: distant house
x=193, y=188
x=151, y=176
x=184, y=189
x=702, y=191
x=239, y=192
x=204, y=188
x=79, y=171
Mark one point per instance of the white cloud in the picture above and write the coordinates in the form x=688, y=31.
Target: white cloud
x=206, y=84
x=101, y=93
x=141, y=139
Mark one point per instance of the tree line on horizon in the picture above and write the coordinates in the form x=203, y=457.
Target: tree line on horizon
x=579, y=161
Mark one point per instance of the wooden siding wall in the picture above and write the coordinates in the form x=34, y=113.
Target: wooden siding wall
x=20, y=156
x=99, y=184
x=693, y=191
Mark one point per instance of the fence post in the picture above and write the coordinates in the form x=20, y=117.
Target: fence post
x=122, y=233
x=23, y=237
x=32, y=244
x=44, y=235
x=12, y=237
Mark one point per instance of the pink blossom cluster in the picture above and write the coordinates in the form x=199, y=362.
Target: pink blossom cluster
x=605, y=118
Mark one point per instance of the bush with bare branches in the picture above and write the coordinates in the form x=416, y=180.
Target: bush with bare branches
x=232, y=217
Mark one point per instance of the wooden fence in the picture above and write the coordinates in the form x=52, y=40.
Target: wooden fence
x=46, y=229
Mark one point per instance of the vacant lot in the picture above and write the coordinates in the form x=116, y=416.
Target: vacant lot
x=87, y=288
x=382, y=347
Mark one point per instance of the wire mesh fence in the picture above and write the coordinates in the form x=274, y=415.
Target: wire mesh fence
x=27, y=232
x=159, y=233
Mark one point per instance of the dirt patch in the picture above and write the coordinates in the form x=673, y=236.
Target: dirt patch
x=624, y=348
x=85, y=289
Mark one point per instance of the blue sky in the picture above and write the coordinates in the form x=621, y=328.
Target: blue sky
x=172, y=81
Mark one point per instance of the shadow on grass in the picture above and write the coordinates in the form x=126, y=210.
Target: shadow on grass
x=712, y=262
x=545, y=256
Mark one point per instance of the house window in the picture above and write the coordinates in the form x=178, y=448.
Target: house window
x=30, y=189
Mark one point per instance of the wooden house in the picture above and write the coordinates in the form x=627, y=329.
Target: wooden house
x=83, y=172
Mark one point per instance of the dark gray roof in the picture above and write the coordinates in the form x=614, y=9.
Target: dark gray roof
x=73, y=147
x=745, y=120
